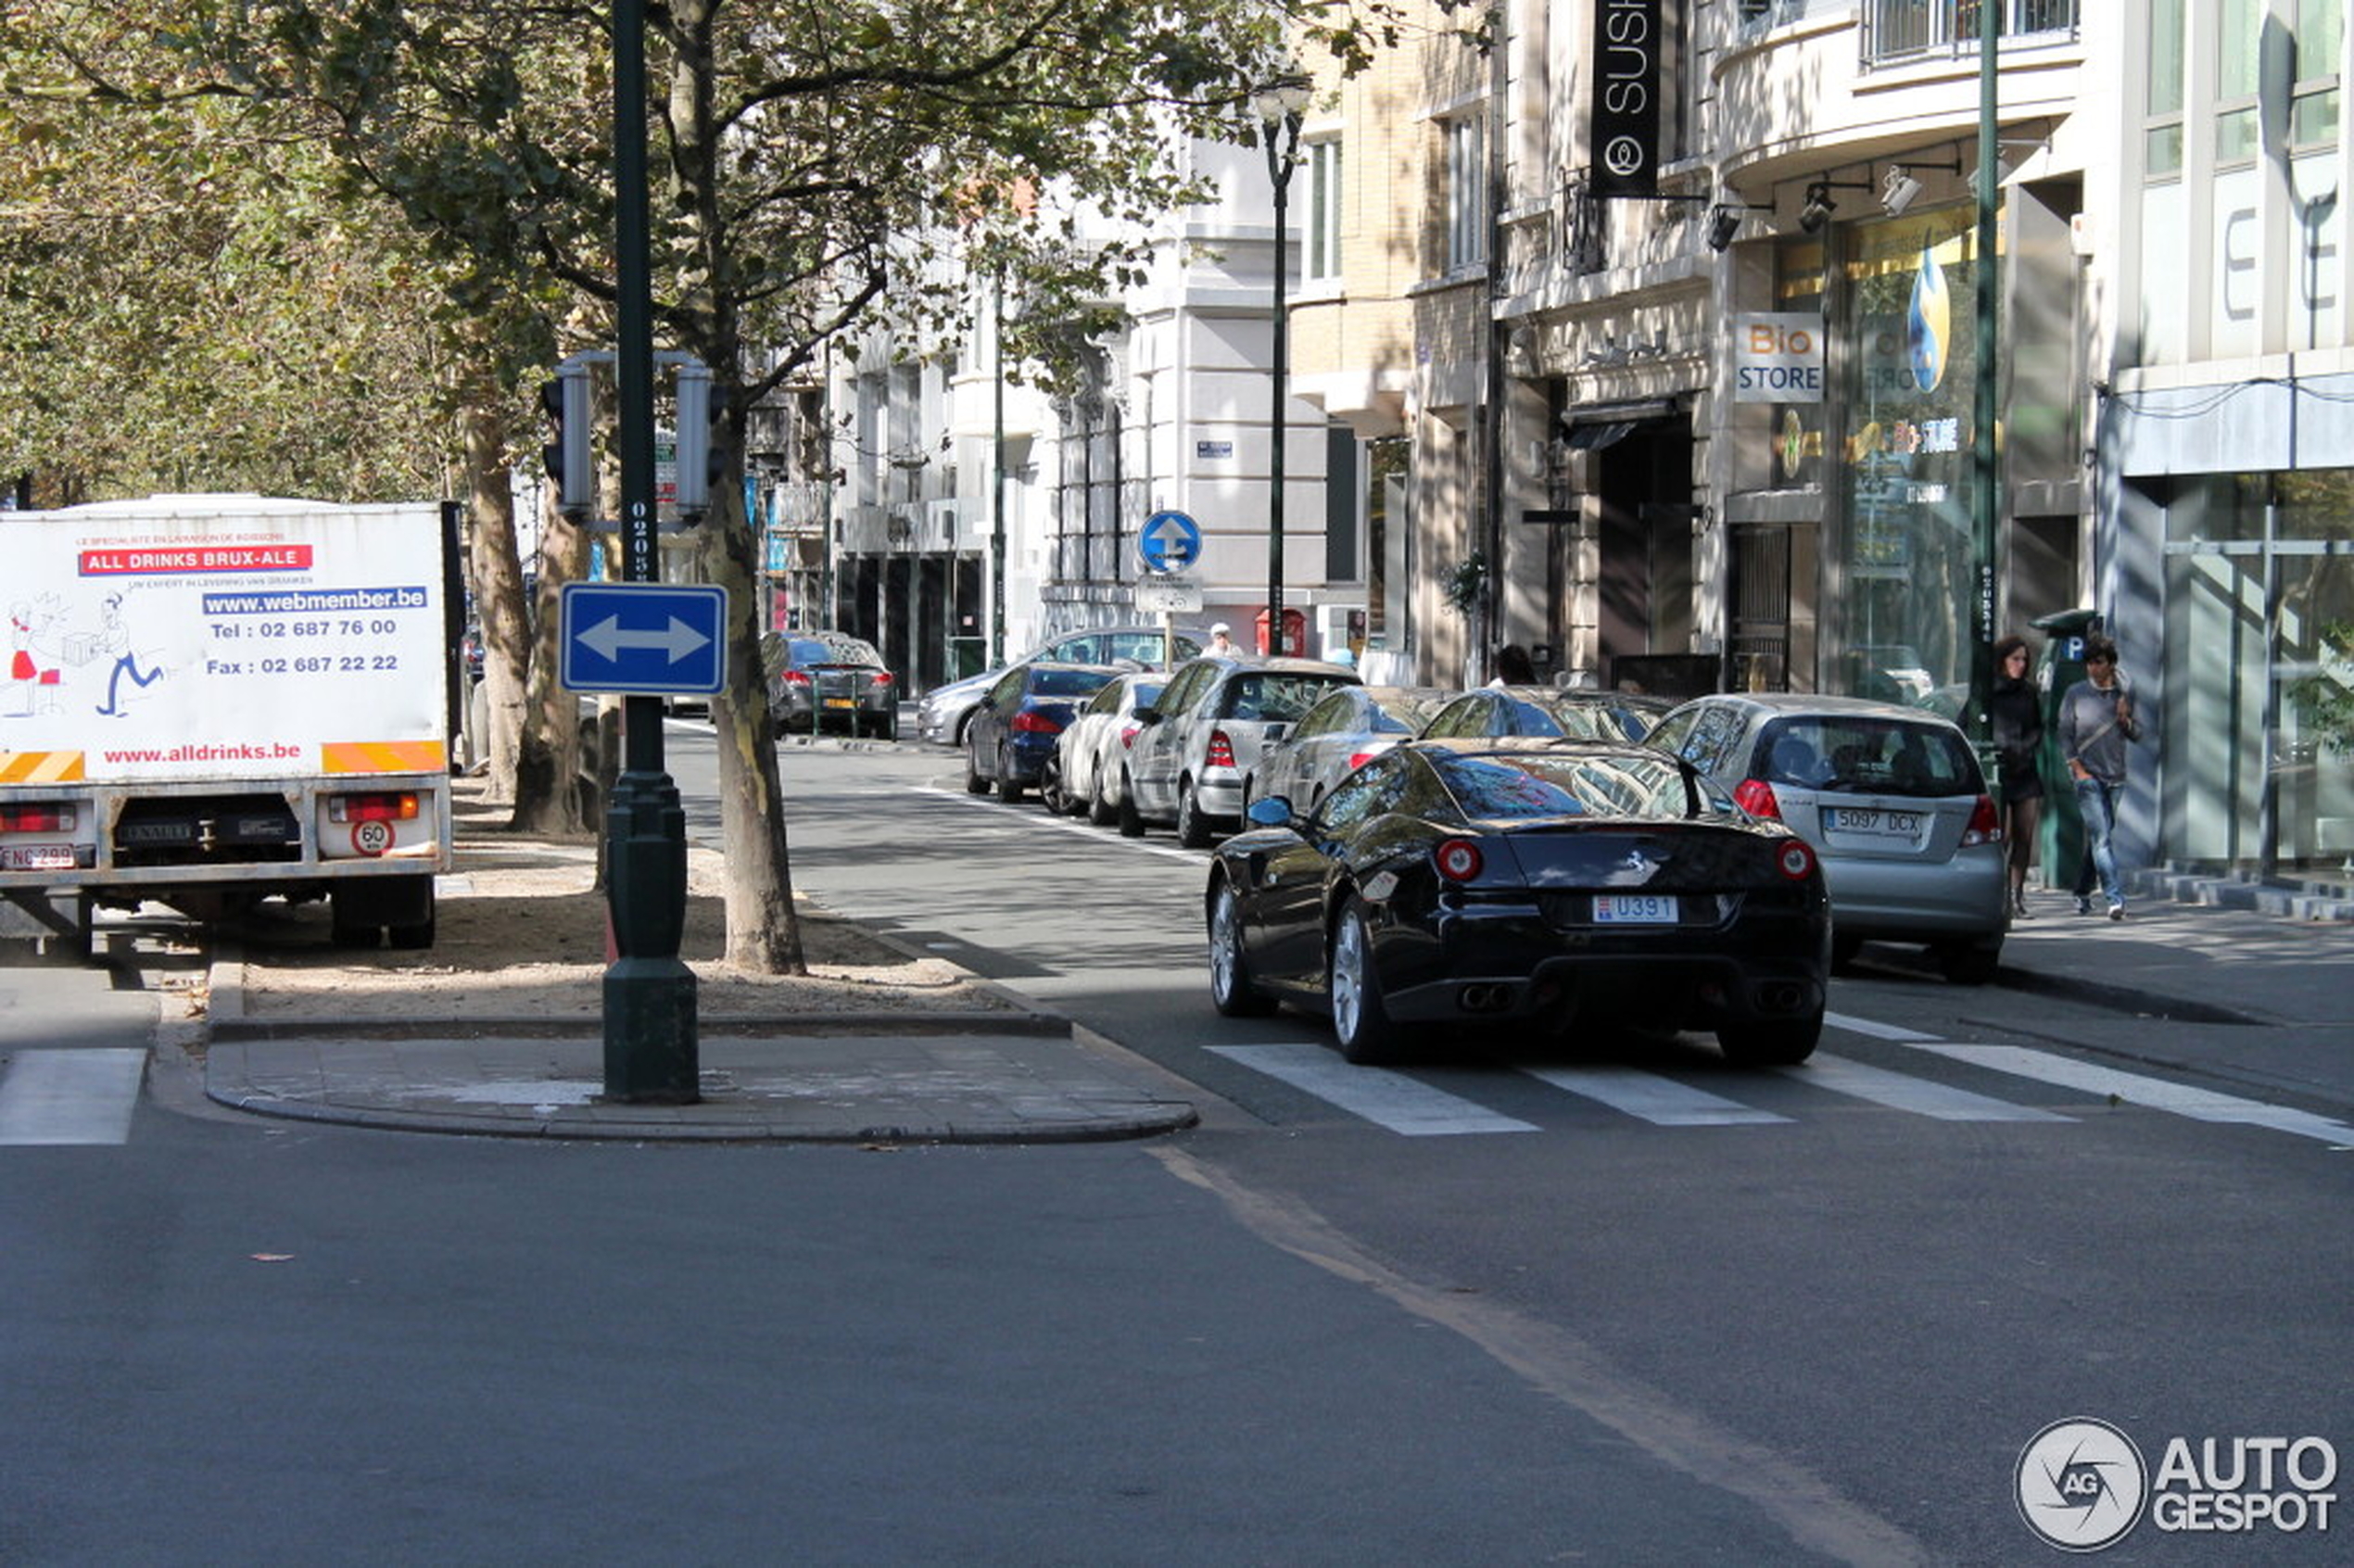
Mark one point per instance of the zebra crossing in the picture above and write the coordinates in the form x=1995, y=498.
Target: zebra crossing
x=68, y=1097
x=1409, y=1106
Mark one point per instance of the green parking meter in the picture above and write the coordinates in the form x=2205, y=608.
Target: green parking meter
x=2061, y=666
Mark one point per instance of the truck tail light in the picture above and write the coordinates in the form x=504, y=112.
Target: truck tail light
x=40, y=817
x=389, y=807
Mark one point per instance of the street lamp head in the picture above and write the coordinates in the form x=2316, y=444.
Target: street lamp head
x=1282, y=98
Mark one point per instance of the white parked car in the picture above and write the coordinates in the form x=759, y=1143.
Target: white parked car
x=1085, y=774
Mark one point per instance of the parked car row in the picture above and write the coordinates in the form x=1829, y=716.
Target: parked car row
x=1409, y=856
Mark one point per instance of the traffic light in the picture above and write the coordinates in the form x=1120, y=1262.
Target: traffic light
x=700, y=458
x=566, y=400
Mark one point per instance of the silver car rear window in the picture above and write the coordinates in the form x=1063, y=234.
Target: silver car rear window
x=1277, y=696
x=1859, y=756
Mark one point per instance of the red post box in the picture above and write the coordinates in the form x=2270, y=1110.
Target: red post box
x=1295, y=632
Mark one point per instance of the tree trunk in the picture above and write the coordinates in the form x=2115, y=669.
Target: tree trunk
x=497, y=580
x=764, y=936
x=548, y=760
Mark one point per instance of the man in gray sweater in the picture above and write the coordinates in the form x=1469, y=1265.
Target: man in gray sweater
x=2096, y=718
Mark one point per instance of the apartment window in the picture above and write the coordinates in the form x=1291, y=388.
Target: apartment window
x=2313, y=100
x=1321, y=262
x=1466, y=190
x=2239, y=52
x=2163, y=124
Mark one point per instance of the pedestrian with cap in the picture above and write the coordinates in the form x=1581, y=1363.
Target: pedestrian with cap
x=1221, y=640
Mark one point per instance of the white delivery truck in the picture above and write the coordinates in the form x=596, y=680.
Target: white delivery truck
x=214, y=700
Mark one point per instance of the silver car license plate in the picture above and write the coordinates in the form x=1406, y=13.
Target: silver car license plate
x=1636, y=909
x=1887, y=824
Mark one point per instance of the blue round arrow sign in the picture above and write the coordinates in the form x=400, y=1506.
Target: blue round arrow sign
x=1170, y=541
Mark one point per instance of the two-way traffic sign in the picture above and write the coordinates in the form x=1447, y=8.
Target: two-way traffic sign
x=646, y=639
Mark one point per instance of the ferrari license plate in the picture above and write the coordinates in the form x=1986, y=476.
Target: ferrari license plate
x=1636, y=909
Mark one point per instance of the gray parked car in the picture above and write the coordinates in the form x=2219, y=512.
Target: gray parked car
x=1200, y=742
x=946, y=710
x=1890, y=798
x=1350, y=728
x=1493, y=712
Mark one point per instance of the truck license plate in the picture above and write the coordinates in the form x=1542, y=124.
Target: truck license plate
x=37, y=857
x=1635, y=909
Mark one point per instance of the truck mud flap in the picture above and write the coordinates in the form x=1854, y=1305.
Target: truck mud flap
x=55, y=925
x=363, y=911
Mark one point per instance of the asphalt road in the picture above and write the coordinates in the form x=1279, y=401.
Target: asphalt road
x=1850, y=1292
x=1609, y=1301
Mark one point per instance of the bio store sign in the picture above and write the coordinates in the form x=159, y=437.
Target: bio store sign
x=1778, y=356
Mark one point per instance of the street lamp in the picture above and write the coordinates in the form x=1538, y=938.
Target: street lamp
x=1278, y=105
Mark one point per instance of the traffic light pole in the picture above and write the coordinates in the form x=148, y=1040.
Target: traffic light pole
x=651, y=1054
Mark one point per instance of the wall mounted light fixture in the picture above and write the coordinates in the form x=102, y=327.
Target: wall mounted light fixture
x=1816, y=210
x=1900, y=190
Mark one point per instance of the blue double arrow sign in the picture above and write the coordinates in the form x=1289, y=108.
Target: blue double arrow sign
x=643, y=638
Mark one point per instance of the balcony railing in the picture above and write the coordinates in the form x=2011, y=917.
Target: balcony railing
x=1895, y=32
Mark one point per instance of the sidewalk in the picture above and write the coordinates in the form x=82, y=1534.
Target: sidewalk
x=499, y=1028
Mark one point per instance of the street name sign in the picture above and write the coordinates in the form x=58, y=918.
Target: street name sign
x=1170, y=541
x=658, y=640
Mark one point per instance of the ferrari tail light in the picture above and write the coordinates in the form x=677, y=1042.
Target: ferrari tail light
x=1458, y=860
x=1756, y=797
x=1794, y=860
x=1221, y=750
x=1985, y=825
x=1030, y=721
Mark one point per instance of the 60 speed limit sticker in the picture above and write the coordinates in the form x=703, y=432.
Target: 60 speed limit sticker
x=372, y=837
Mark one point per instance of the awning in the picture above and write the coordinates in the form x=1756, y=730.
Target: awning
x=1596, y=425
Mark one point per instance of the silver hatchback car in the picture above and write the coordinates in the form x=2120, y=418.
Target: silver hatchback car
x=1189, y=763
x=1890, y=798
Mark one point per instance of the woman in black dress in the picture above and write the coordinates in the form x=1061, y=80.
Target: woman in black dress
x=2017, y=709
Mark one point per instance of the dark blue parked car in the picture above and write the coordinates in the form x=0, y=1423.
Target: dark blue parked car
x=1017, y=723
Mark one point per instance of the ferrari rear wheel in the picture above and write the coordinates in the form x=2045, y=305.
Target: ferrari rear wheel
x=1368, y=1035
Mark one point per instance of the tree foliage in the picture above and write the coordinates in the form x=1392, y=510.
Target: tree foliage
x=811, y=165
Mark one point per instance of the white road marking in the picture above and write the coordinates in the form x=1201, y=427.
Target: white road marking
x=1877, y=1030
x=58, y=1097
x=1065, y=824
x=1901, y=1092
x=1389, y=1099
x=1651, y=1097
x=2181, y=1099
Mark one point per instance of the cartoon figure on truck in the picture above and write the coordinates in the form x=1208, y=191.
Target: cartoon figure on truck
x=252, y=699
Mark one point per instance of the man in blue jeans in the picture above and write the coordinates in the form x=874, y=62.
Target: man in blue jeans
x=2096, y=718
